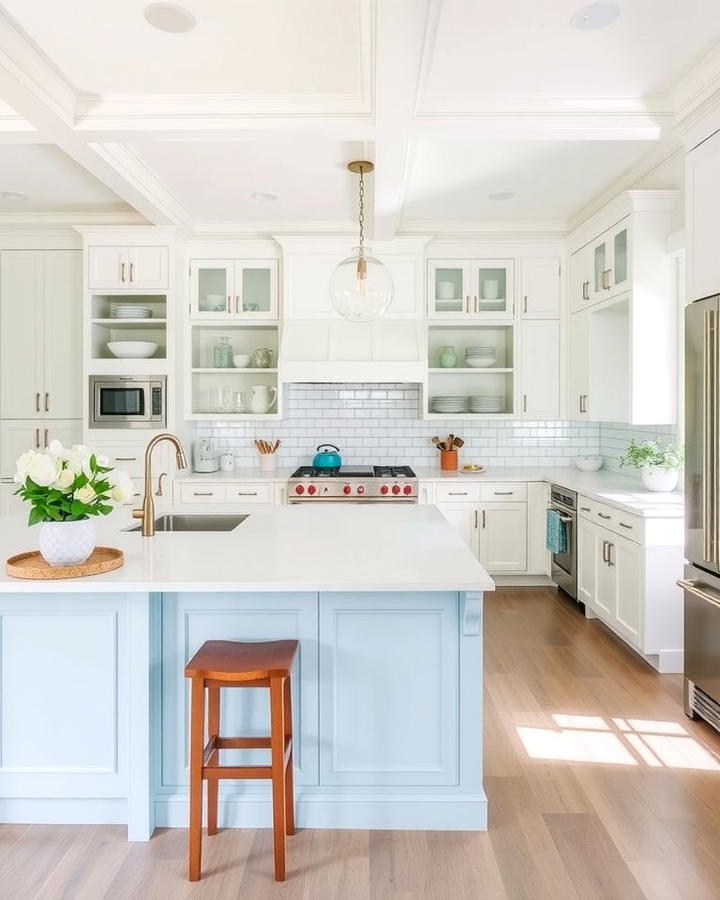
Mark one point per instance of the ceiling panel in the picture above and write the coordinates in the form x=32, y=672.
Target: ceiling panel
x=483, y=50
x=215, y=180
x=52, y=181
x=550, y=180
x=244, y=47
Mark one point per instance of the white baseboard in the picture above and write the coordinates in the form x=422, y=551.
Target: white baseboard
x=412, y=812
x=64, y=811
x=523, y=581
x=668, y=661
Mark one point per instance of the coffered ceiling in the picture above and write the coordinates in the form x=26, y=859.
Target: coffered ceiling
x=454, y=100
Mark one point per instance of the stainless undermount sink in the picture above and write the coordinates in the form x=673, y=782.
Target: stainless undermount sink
x=179, y=522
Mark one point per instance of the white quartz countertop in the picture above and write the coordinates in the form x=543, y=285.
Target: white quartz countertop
x=608, y=487
x=333, y=547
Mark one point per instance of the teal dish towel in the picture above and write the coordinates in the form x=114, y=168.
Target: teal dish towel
x=555, y=534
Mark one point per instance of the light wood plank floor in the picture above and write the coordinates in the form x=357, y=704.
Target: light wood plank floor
x=599, y=787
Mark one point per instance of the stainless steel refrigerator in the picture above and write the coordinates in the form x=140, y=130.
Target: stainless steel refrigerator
x=701, y=584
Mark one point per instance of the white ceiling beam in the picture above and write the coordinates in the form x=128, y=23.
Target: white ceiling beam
x=40, y=95
x=401, y=30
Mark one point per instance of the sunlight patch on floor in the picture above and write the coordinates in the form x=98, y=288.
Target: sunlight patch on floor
x=617, y=741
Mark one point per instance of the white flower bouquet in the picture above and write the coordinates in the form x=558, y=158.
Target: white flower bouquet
x=69, y=485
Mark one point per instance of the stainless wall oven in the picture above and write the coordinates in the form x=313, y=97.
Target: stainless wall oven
x=564, y=565
x=128, y=401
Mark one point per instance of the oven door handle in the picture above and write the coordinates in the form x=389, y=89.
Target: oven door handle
x=692, y=588
x=567, y=520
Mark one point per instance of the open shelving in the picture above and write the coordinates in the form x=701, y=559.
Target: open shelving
x=105, y=328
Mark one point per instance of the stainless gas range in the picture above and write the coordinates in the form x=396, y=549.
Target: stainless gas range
x=353, y=484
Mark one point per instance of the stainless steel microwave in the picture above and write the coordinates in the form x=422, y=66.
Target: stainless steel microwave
x=128, y=401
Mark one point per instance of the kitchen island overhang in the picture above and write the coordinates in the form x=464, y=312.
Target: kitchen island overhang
x=386, y=605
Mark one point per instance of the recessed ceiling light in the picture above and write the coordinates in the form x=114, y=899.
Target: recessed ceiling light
x=595, y=16
x=264, y=196
x=501, y=195
x=169, y=17
x=13, y=195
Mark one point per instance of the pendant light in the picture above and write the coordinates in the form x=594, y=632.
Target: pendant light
x=361, y=288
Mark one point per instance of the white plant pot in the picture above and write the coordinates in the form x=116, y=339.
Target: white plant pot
x=657, y=479
x=66, y=543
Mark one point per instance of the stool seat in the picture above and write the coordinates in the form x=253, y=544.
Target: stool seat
x=242, y=660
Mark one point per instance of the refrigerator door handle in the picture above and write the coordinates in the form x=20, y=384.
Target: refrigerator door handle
x=692, y=588
x=709, y=438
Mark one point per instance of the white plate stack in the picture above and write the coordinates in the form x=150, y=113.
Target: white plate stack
x=480, y=357
x=448, y=405
x=131, y=312
x=487, y=403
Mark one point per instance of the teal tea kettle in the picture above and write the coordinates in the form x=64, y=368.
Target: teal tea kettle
x=327, y=457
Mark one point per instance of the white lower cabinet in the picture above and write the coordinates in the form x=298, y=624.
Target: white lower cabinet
x=464, y=519
x=630, y=583
x=19, y=435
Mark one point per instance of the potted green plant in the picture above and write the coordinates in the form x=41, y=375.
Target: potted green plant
x=659, y=463
x=66, y=489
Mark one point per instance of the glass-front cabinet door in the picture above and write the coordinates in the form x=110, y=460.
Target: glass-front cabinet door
x=212, y=289
x=256, y=292
x=492, y=288
x=600, y=268
x=448, y=288
x=620, y=274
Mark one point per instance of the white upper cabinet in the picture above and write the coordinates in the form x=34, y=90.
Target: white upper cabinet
x=580, y=278
x=540, y=288
x=539, y=370
x=128, y=268
x=702, y=217
x=611, y=262
x=471, y=288
x=579, y=379
x=41, y=334
x=237, y=289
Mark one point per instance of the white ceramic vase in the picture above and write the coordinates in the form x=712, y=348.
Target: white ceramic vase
x=66, y=543
x=657, y=479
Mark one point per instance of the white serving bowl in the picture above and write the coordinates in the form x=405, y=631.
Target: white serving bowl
x=480, y=362
x=588, y=463
x=241, y=360
x=132, y=349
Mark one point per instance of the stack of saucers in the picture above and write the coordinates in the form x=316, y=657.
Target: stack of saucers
x=132, y=312
x=487, y=403
x=480, y=357
x=448, y=405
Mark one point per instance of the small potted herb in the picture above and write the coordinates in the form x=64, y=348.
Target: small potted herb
x=66, y=488
x=659, y=463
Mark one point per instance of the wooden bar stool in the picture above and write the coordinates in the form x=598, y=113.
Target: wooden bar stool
x=236, y=664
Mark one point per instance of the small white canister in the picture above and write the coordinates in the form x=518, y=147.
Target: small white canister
x=227, y=462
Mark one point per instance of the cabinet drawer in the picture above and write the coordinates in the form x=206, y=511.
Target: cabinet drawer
x=616, y=520
x=252, y=492
x=498, y=493
x=202, y=493
x=457, y=491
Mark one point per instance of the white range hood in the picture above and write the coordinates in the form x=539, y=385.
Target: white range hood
x=330, y=350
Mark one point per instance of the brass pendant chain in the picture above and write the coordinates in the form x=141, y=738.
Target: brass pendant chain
x=362, y=265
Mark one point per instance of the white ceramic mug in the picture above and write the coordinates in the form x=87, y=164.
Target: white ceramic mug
x=262, y=398
x=490, y=289
x=446, y=290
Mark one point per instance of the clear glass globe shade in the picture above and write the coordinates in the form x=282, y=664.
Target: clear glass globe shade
x=361, y=299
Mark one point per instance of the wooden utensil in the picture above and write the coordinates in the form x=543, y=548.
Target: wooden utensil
x=458, y=442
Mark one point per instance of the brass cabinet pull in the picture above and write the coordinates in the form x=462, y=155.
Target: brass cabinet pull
x=611, y=547
x=237, y=304
x=476, y=519
x=131, y=271
x=247, y=493
x=484, y=521
x=47, y=402
x=626, y=526
x=37, y=438
x=467, y=303
x=203, y=493
x=122, y=272
x=584, y=509
x=525, y=304
x=585, y=290
x=46, y=437
x=524, y=402
x=126, y=459
x=475, y=302
x=457, y=493
x=503, y=493
x=37, y=402
x=604, y=515
x=605, y=545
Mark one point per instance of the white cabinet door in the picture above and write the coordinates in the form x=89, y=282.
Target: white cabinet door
x=464, y=518
x=503, y=537
x=407, y=276
x=256, y=289
x=492, y=286
x=68, y=432
x=148, y=268
x=579, y=380
x=211, y=288
x=21, y=333
x=389, y=689
x=540, y=369
x=540, y=288
x=580, y=278
x=625, y=558
x=606, y=594
x=448, y=288
x=702, y=216
x=587, y=561
x=108, y=268
x=9, y=502
x=16, y=437
x=618, y=277
x=62, y=394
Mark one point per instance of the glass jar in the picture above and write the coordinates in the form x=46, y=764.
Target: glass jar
x=448, y=358
x=223, y=354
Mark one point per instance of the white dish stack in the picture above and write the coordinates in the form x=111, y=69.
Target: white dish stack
x=487, y=403
x=448, y=405
x=132, y=312
x=480, y=357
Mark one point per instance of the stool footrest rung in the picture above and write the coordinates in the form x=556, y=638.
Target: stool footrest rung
x=219, y=743
x=218, y=772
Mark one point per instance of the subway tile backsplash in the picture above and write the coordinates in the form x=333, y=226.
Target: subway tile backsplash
x=614, y=439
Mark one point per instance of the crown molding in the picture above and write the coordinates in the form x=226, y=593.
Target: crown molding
x=620, y=206
x=484, y=228
x=71, y=219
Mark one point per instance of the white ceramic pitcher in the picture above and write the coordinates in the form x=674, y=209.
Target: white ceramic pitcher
x=262, y=398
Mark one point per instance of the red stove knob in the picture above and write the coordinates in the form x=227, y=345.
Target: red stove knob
x=311, y=489
x=299, y=488
x=396, y=489
x=384, y=489
x=361, y=489
x=407, y=489
x=347, y=489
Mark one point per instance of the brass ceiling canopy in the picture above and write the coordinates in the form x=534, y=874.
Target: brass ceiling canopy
x=361, y=166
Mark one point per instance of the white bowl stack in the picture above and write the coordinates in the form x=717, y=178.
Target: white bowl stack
x=448, y=405
x=480, y=357
x=487, y=403
x=132, y=312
